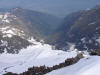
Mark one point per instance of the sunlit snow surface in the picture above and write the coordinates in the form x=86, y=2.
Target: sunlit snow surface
x=35, y=55
x=86, y=66
x=9, y=31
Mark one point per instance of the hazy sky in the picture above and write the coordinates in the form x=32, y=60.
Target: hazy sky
x=56, y=7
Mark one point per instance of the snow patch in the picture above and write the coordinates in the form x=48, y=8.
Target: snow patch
x=1, y=16
x=9, y=31
x=98, y=40
x=83, y=40
x=91, y=23
x=97, y=28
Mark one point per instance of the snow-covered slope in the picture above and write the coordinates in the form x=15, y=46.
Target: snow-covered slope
x=86, y=66
x=35, y=55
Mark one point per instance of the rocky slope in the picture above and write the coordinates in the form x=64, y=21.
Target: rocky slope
x=12, y=37
x=37, y=22
x=81, y=28
x=18, y=25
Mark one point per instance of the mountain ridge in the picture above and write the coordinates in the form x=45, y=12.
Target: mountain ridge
x=83, y=31
x=19, y=25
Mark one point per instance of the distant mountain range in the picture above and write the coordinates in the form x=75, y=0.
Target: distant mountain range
x=56, y=7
